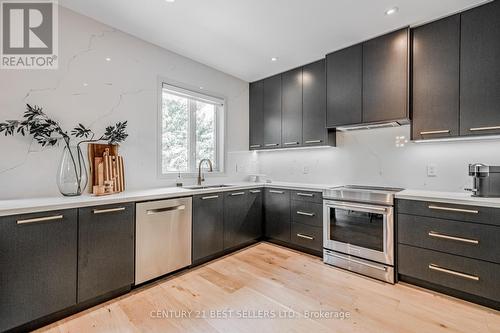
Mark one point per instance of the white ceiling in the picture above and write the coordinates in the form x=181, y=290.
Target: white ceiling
x=240, y=37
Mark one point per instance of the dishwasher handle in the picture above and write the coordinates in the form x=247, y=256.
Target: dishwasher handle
x=165, y=209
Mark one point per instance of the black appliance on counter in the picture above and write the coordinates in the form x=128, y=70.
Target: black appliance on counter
x=486, y=182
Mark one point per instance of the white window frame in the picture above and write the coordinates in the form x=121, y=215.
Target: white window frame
x=202, y=95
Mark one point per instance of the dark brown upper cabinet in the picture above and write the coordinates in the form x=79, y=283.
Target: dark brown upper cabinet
x=256, y=115
x=314, y=131
x=289, y=109
x=385, y=77
x=272, y=112
x=344, y=70
x=291, y=121
x=436, y=75
x=480, y=70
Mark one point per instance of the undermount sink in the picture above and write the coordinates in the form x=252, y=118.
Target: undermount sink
x=202, y=187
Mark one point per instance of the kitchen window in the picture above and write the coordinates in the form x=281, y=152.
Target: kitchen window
x=192, y=128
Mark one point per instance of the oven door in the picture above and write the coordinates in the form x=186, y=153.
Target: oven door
x=362, y=230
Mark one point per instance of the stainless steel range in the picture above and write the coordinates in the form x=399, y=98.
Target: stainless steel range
x=358, y=233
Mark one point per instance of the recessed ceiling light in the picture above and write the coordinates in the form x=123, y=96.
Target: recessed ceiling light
x=201, y=88
x=108, y=59
x=170, y=1
x=391, y=11
x=274, y=59
x=85, y=84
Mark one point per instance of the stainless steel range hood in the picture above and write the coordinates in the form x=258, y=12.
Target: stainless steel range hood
x=373, y=125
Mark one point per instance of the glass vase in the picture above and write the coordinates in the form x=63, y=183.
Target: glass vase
x=72, y=174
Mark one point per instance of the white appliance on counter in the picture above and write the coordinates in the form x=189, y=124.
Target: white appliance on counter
x=358, y=233
x=163, y=237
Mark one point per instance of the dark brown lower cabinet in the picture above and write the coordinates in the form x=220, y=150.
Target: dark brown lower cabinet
x=450, y=249
x=277, y=214
x=208, y=226
x=105, y=249
x=38, y=265
x=242, y=217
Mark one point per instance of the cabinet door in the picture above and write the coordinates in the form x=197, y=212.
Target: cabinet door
x=480, y=70
x=314, y=104
x=38, y=261
x=385, y=77
x=344, y=74
x=256, y=115
x=235, y=212
x=254, y=217
x=436, y=79
x=208, y=225
x=291, y=122
x=277, y=214
x=272, y=112
x=105, y=249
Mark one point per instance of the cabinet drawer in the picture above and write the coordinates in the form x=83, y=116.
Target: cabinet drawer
x=307, y=213
x=464, y=274
x=486, y=215
x=307, y=236
x=310, y=196
x=466, y=239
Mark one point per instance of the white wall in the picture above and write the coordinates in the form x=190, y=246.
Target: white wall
x=123, y=89
x=370, y=157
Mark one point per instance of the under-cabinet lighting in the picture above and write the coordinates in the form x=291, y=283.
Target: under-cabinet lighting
x=460, y=139
x=292, y=148
x=274, y=59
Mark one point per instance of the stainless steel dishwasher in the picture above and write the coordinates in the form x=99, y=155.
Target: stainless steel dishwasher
x=163, y=237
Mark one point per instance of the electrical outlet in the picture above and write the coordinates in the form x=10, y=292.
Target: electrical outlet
x=431, y=170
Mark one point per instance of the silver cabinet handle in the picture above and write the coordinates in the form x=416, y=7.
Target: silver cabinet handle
x=309, y=195
x=41, y=219
x=210, y=197
x=305, y=214
x=291, y=143
x=458, y=239
x=110, y=210
x=254, y=146
x=459, y=210
x=380, y=268
x=165, y=209
x=272, y=144
x=305, y=236
x=313, y=141
x=254, y=191
x=237, y=193
x=451, y=272
x=435, y=132
x=276, y=192
x=487, y=128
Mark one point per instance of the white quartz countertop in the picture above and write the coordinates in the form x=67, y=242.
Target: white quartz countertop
x=34, y=205
x=461, y=198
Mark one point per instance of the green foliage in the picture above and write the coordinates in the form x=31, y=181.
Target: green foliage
x=48, y=132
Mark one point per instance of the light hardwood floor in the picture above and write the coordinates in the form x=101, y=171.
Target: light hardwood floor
x=282, y=283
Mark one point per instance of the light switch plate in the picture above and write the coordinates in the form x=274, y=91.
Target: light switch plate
x=431, y=170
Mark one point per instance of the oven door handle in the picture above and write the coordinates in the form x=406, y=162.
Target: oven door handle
x=356, y=206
